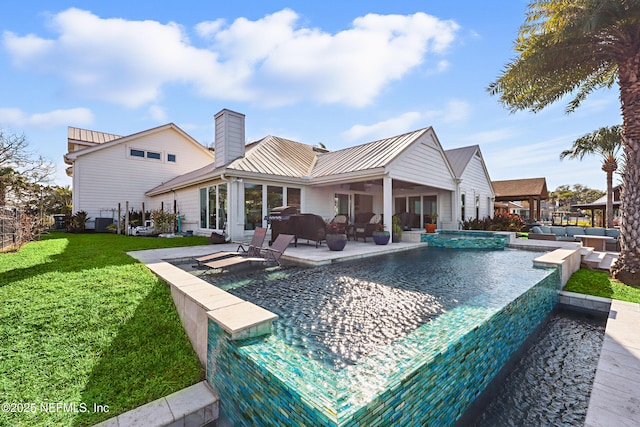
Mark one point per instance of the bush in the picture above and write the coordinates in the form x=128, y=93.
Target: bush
x=500, y=222
x=164, y=222
x=77, y=223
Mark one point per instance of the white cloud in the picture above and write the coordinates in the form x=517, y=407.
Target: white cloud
x=490, y=136
x=157, y=113
x=454, y=111
x=271, y=60
x=383, y=129
x=18, y=118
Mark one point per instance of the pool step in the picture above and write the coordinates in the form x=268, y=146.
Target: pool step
x=599, y=260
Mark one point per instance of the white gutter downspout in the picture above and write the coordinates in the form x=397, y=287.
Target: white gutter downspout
x=231, y=213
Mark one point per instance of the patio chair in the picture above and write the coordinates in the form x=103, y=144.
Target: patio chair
x=267, y=255
x=341, y=222
x=252, y=249
x=365, y=230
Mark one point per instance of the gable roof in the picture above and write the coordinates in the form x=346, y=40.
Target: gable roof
x=123, y=139
x=372, y=155
x=273, y=155
x=89, y=136
x=270, y=155
x=520, y=189
x=459, y=158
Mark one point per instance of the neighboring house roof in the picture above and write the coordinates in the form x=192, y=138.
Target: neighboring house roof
x=601, y=203
x=373, y=155
x=520, y=189
x=459, y=158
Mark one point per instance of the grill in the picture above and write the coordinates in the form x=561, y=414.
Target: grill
x=280, y=220
x=287, y=220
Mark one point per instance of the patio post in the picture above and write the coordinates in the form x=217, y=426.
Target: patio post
x=387, y=202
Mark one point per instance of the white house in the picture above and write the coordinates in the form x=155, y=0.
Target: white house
x=237, y=188
x=475, y=192
x=110, y=169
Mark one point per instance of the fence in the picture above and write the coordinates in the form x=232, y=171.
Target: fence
x=9, y=228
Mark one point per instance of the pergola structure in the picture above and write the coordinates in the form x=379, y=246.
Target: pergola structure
x=534, y=190
x=601, y=204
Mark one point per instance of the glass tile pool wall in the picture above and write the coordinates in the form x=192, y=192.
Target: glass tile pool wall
x=428, y=375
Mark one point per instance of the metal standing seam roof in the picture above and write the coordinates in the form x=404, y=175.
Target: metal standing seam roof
x=91, y=136
x=459, y=158
x=371, y=155
x=273, y=155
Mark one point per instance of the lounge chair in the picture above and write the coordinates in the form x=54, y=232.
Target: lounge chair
x=252, y=249
x=267, y=255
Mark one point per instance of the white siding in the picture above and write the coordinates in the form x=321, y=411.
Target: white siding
x=320, y=200
x=109, y=176
x=424, y=162
x=475, y=182
x=229, y=137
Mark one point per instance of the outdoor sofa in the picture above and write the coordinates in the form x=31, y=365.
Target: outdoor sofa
x=568, y=233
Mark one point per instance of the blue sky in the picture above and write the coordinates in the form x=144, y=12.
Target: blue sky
x=340, y=73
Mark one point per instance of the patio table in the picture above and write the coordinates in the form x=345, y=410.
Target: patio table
x=599, y=243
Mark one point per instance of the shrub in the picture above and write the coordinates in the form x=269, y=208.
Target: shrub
x=500, y=222
x=164, y=222
x=77, y=223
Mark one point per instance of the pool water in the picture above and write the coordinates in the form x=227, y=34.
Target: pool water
x=409, y=338
x=339, y=313
x=551, y=383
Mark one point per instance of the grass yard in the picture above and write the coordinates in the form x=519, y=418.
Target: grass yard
x=82, y=323
x=600, y=284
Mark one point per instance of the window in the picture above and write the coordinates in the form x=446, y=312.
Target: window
x=477, y=207
x=274, y=197
x=252, y=206
x=213, y=207
x=341, y=204
x=363, y=203
x=136, y=153
x=203, y=208
x=462, y=207
x=171, y=158
x=153, y=155
x=293, y=197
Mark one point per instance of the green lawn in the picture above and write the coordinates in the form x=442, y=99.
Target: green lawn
x=600, y=284
x=81, y=322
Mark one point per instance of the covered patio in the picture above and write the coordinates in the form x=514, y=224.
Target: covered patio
x=531, y=190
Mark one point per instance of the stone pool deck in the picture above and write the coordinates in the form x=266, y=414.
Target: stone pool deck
x=615, y=398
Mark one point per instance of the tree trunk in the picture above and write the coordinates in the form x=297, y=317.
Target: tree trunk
x=627, y=268
x=609, y=199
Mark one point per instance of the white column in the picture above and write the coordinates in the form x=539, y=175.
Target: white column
x=387, y=202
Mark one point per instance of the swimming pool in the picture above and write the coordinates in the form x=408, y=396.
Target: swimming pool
x=411, y=337
x=552, y=381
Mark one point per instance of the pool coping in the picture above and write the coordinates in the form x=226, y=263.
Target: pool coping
x=196, y=405
x=615, y=396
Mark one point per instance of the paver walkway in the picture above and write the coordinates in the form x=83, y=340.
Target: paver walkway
x=615, y=397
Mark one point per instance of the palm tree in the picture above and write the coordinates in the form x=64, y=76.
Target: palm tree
x=574, y=47
x=605, y=142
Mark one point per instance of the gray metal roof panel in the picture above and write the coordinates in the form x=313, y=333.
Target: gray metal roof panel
x=459, y=158
x=371, y=155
